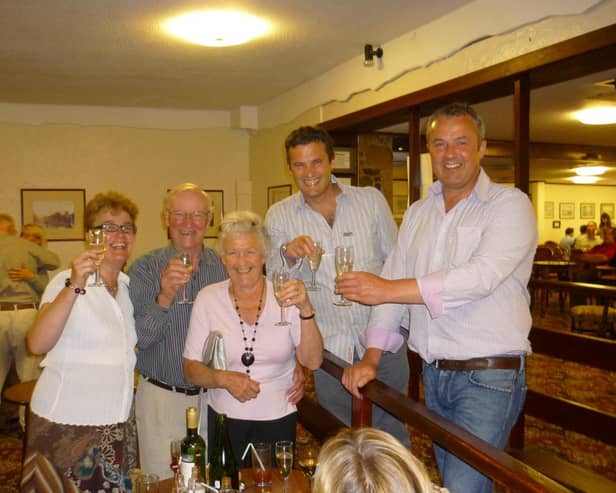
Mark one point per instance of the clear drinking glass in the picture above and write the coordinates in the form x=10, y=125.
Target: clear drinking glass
x=279, y=278
x=308, y=459
x=344, y=263
x=96, y=243
x=284, y=457
x=314, y=260
x=175, y=447
x=187, y=261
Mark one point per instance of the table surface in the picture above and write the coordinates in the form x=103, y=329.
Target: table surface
x=556, y=263
x=295, y=483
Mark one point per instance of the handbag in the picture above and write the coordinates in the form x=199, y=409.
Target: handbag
x=214, y=352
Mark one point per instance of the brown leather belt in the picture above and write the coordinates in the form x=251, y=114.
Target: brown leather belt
x=17, y=306
x=492, y=363
x=173, y=388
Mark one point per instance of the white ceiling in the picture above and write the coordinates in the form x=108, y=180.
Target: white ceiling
x=114, y=52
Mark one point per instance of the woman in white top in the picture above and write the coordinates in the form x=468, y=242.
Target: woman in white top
x=81, y=432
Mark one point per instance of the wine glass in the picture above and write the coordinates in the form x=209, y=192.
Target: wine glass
x=314, y=260
x=308, y=459
x=187, y=261
x=279, y=278
x=344, y=263
x=284, y=457
x=96, y=243
x=175, y=447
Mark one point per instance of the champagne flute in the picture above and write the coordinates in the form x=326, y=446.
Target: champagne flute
x=344, y=263
x=187, y=261
x=314, y=260
x=96, y=243
x=284, y=457
x=279, y=278
x=308, y=459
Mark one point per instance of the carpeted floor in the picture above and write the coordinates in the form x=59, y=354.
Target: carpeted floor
x=548, y=375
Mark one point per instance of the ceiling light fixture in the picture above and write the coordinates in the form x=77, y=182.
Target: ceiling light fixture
x=216, y=27
x=370, y=53
x=584, y=180
x=590, y=170
x=600, y=115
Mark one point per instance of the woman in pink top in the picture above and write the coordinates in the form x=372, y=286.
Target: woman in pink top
x=261, y=355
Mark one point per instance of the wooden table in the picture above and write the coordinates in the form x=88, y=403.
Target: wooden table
x=558, y=266
x=295, y=483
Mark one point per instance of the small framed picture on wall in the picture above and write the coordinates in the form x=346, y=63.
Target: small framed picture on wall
x=548, y=210
x=566, y=210
x=587, y=210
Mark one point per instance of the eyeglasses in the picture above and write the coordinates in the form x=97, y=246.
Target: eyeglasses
x=114, y=228
x=196, y=216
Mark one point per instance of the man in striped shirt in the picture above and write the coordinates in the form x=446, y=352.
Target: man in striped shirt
x=336, y=215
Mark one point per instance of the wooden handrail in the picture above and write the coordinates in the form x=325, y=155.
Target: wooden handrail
x=496, y=464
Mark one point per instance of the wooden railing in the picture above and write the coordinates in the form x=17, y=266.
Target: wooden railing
x=505, y=470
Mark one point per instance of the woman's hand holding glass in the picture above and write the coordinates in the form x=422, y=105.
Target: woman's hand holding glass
x=96, y=243
x=82, y=267
x=291, y=292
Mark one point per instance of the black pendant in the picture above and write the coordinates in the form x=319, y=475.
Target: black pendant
x=248, y=358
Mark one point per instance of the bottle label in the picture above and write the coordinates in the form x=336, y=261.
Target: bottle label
x=186, y=468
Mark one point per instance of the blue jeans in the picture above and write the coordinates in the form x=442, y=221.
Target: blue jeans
x=484, y=402
x=393, y=370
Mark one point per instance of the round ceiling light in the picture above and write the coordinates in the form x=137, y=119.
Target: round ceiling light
x=590, y=170
x=584, y=180
x=216, y=27
x=600, y=115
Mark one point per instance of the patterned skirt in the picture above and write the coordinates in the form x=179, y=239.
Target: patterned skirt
x=74, y=458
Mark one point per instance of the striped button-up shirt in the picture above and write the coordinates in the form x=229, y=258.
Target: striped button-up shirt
x=363, y=221
x=161, y=332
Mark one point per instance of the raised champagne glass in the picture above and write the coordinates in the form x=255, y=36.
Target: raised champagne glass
x=344, y=263
x=96, y=243
x=314, y=260
x=187, y=261
x=279, y=278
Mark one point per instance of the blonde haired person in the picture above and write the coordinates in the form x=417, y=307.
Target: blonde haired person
x=367, y=460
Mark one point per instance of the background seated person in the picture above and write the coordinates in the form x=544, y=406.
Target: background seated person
x=598, y=255
x=367, y=460
x=589, y=239
x=260, y=355
x=566, y=243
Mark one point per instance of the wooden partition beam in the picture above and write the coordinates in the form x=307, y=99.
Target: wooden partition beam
x=521, y=132
x=514, y=475
x=414, y=155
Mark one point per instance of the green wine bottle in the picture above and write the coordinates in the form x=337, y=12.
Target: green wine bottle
x=222, y=462
x=193, y=447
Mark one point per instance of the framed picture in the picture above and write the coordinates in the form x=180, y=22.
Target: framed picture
x=59, y=210
x=217, y=200
x=345, y=180
x=277, y=193
x=555, y=224
x=566, y=210
x=587, y=210
x=344, y=159
x=399, y=204
x=607, y=207
x=548, y=210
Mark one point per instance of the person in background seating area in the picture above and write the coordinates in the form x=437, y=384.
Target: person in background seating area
x=588, y=239
x=605, y=222
x=19, y=297
x=566, y=243
x=463, y=253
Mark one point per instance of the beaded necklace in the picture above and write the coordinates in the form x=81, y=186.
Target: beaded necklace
x=248, y=357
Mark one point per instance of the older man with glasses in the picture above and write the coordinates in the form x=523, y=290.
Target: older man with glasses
x=156, y=283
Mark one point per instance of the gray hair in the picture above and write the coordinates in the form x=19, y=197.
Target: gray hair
x=244, y=222
x=458, y=109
